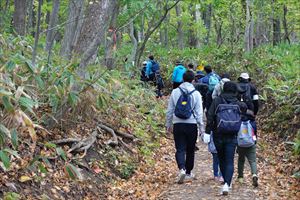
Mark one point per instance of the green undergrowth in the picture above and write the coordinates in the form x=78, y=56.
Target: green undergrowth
x=29, y=95
x=275, y=70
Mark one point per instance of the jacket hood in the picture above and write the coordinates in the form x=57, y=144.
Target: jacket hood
x=186, y=86
x=229, y=97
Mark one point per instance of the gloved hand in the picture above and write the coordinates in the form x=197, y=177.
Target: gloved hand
x=206, y=138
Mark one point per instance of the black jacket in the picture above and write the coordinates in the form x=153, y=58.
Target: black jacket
x=254, y=105
x=211, y=114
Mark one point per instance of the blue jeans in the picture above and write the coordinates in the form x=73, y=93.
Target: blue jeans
x=185, y=136
x=226, y=148
x=216, y=165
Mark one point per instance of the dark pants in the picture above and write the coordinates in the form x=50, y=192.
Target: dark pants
x=176, y=85
x=216, y=165
x=208, y=100
x=226, y=148
x=185, y=136
x=250, y=154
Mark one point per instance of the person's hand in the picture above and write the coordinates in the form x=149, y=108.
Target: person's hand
x=169, y=130
x=206, y=138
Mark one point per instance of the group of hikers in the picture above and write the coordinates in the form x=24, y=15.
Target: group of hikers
x=229, y=108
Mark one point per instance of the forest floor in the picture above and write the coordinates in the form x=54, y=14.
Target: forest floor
x=158, y=181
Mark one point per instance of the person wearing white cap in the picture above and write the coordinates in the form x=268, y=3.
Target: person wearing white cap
x=248, y=92
x=143, y=72
x=249, y=95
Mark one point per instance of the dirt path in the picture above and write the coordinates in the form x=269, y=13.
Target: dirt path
x=205, y=187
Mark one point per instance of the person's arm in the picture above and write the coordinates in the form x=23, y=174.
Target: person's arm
x=170, y=111
x=198, y=111
x=211, y=116
x=255, y=99
x=216, y=91
x=148, y=68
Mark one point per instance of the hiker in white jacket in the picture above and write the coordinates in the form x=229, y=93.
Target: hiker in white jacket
x=219, y=87
x=185, y=130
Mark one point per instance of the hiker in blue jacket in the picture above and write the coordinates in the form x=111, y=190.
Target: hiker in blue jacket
x=177, y=77
x=149, y=72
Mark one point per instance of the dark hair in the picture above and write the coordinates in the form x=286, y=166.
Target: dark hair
x=225, y=75
x=151, y=57
x=207, y=69
x=230, y=87
x=188, y=76
x=191, y=65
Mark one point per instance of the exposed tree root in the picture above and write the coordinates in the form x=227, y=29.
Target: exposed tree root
x=83, y=145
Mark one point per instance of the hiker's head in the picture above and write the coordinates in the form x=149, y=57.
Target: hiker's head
x=199, y=74
x=151, y=57
x=225, y=75
x=188, y=76
x=178, y=62
x=230, y=87
x=191, y=66
x=207, y=69
x=244, y=77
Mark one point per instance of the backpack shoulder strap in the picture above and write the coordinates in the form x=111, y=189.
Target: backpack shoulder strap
x=192, y=92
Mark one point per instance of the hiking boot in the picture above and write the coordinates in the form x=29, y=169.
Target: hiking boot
x=190, y=177
x=241, y=180
x=254, y=180
x=225, y=189
x=181, y=176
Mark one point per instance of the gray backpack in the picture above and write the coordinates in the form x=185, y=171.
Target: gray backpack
x=245, y=135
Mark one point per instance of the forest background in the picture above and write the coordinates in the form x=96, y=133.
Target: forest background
x=70, y=69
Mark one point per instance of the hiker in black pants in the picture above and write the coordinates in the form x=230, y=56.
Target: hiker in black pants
x=185, y=129
x=228, y=107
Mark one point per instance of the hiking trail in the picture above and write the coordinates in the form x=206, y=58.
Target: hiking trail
x=205, y=187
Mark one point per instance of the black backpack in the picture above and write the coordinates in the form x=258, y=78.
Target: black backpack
x=246, y=96
x=183, y=108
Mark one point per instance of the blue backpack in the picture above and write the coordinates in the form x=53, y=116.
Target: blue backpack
x=183, y=108
x=245, y=135
x=213, y=80
x=155, y=66
x=228, y=118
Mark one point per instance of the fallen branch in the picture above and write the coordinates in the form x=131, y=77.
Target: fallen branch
x=85, y=144
x=65, y=141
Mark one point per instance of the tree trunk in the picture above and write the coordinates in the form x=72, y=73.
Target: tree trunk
x=134, y=42
x=248, y=28
x=286, y=32
x=53, y=22
x=75, y=8
x=207, y=22
x=111, y=39
x=106, y=8
x=165, y=31
x=91, y=26
x=47, y=18
x=180, y=34
x=218, y=28
x=276, y=31
x=20, y=16
x=37, y=33
x=193, y=34
x=30, y=24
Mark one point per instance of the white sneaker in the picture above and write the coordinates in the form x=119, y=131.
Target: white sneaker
x=181, y=176
x=190, y=177
x=225, y=189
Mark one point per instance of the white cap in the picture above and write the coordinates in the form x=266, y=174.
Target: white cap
x=244, y=76
x=145, y=63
